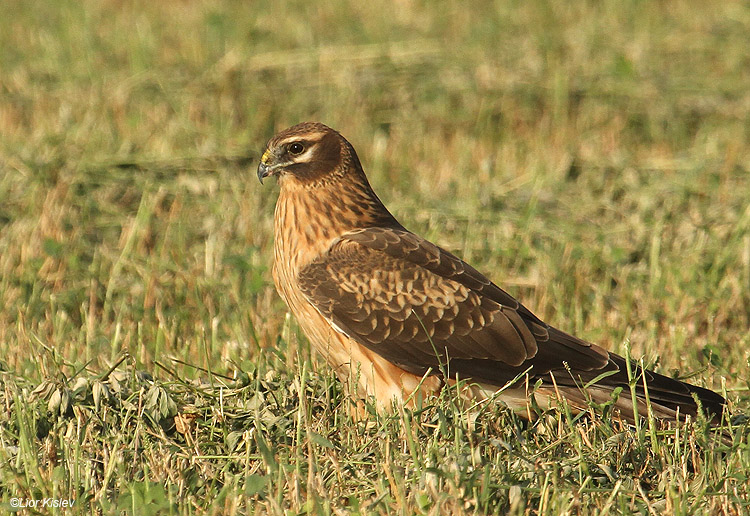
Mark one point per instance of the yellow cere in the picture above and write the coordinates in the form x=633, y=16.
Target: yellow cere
x=265, y=157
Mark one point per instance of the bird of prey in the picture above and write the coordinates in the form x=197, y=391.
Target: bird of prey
x=397, y=316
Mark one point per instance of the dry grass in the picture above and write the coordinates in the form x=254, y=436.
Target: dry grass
x=592, y=158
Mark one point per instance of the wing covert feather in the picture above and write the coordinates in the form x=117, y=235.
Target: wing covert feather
x=421, y=307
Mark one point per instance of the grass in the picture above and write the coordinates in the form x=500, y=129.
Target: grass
x=591, y=157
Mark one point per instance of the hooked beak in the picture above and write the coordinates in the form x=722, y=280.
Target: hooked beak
x=263, y=171
x=264, y=168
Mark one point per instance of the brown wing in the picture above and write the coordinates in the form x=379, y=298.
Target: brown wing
x=421, y=307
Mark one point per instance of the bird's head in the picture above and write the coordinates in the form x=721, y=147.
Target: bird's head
x=309, y=152
x=313, y=159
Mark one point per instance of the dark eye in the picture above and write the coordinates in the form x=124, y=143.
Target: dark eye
x=296, y=148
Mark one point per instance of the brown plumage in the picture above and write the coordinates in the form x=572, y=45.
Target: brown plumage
x=393, y=313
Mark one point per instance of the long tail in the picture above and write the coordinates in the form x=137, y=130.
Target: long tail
x=669, y=399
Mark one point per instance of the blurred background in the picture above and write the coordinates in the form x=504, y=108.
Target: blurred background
x=591, y=157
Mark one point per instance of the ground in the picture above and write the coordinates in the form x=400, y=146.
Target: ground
x=593, y=158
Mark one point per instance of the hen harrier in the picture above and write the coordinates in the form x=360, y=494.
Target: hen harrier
x=397, y=315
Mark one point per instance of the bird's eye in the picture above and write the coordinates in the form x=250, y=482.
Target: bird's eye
x=296, y=148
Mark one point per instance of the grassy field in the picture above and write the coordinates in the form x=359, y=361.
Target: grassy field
x=593, y=158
